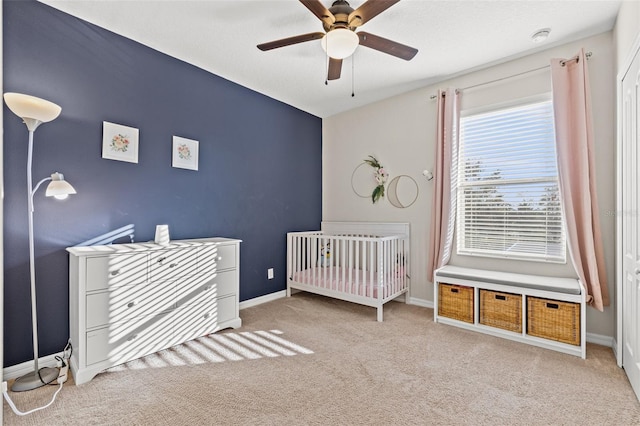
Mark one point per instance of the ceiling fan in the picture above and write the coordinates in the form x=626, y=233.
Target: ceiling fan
x=340, y=39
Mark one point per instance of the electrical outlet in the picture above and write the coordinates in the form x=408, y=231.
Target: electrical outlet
x=270, y=273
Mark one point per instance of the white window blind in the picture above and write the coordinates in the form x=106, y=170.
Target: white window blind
x=508, y=197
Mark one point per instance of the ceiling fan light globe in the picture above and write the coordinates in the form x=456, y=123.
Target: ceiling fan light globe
x=341, y=43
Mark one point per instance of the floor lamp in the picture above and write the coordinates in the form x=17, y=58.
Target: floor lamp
x=35, y=111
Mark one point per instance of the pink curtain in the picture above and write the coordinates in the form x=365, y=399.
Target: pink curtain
x=576, y=169
x=444, y=193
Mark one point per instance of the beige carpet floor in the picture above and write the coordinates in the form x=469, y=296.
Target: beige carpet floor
x=314, y=360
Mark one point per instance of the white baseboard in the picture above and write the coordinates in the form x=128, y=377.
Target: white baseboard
x=420, y=302
x=600, y=339
x=18, y=370
x=263, y=299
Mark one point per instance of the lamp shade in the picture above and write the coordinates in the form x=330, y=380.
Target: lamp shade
x=340, y=43
x=59, y=188
x=26, y=106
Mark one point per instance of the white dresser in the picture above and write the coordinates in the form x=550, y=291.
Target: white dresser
x=130, y=300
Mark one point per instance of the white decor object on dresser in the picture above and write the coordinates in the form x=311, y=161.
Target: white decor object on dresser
x=130, y=300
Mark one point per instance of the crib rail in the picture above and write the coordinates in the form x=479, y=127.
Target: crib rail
x=355, y=264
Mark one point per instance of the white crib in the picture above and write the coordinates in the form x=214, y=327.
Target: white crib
x=360, y=262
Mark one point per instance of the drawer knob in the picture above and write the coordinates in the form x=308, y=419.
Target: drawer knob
x=162, y=259
x=114, y=273
x=132, y=338
x=131, y=304
x=173, y=265
x=207, y=315
x=209, y=287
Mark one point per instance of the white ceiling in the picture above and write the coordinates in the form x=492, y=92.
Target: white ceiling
x=452, y=36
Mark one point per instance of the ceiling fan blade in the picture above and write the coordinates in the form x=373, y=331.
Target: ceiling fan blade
x=369, y=10
x=335, y=68
x=290, y=40
x=387, y=46
x=318, y=9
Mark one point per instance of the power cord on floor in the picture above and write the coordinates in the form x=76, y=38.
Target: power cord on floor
x=63, y=365
x=20, y=413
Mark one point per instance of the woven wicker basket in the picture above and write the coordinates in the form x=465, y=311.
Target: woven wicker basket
x=553, y=319
x=455, y=301
x=501, y=310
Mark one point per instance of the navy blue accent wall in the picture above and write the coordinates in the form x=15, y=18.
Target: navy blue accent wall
x=259, y=173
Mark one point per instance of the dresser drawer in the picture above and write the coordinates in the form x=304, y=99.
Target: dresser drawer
x=170, y=264
x=129, y=302
x=203, y=318
x=216, y=257
x=124, y=341
x=199, y=289
x=113, y=271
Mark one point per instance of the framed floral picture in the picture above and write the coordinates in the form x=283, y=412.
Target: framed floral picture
x=185, y=153
x=119, y=142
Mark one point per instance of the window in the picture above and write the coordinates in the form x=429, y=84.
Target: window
x=508, y=197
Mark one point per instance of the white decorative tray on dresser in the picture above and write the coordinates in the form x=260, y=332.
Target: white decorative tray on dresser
x=130, y=300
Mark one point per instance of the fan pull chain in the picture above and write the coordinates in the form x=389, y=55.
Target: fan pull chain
x=326, y=74
x=353, y=61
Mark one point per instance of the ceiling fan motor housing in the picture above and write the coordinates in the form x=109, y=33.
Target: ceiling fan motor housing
x=341, y=11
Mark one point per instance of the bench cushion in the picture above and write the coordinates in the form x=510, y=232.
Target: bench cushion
x=538, y=282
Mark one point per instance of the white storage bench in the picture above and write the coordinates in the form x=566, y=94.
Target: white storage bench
x=548, y=312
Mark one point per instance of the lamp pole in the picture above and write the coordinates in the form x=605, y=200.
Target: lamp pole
x=32, y=267
x=45, y=375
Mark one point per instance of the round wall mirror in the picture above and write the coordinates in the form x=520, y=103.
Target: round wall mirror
x=402, y=191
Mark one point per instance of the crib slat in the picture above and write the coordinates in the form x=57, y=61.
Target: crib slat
x=331, y=248
x=343, y=263
x=350, y=265
x=358, y=267
x=297, y=254
x=394, y=263
x=369, y=269
x=293, y=255
x=384, y=264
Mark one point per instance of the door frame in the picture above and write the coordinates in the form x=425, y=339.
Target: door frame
x=635, y=50
x=1, y=212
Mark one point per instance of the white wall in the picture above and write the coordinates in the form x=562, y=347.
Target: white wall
x=400, y=132
x=626, y=30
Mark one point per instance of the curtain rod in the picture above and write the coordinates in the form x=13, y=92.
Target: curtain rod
x=563, y=63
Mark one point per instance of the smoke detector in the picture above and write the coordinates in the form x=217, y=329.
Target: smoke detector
x=541, y=35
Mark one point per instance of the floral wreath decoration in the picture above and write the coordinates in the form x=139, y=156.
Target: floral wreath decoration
x=380, y=176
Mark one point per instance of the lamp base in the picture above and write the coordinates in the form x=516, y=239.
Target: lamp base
x=35, y=379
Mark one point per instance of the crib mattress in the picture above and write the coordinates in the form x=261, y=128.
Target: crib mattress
x=345, y=280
